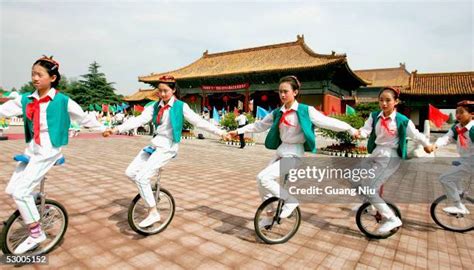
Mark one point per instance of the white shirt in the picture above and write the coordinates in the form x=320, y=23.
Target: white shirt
x=14, y=108
x=241, y=119
x=467, y=152
x=292, y=137
x=387, y=140
x=164, y=132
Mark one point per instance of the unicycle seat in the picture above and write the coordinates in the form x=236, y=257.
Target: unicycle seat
x=150, y=150
x=26, y=159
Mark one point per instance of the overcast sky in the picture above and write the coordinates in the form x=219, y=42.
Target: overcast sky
x=134, y=38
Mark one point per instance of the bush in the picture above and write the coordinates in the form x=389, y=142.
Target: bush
x=344, y=138
x=228, y=121
x=187, y=125
x=364, y=109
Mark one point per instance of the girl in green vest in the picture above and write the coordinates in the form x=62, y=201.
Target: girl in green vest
x=462, y=134
x=387, y=131
x=47, y=115
x=168, y=115
x=291, y=134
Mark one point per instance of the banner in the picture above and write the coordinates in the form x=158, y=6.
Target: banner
x=217, y=88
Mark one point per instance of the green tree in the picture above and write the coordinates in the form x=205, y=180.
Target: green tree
x=93, y=88
x=364, y=109
x=344, y=138
x=27, y=88
x=451, y=118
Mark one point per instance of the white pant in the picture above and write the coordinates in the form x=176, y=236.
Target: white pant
x=24, y=180
x=267, y=179
x=384, y=162
x=144, y=167
x=452, y=179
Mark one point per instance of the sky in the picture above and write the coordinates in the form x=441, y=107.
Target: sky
x=135, y=38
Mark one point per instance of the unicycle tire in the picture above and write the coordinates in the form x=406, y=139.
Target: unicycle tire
x=453, y=222
x=15, y=231
x=282, y=229
x=368, y=223
x=137, y=212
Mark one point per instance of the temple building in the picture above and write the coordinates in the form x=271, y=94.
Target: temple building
x=418, y=90
x=235, y=78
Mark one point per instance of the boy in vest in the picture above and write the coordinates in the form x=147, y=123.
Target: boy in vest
x=291, y=134
x=387, y=131
x=462, y=134
x=47, y=115
x=168, y=115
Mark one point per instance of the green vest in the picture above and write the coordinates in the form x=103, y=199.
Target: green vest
x=272, y=141
x=455, y=133
x=57, y=118
x=402, y=123
x=176, y=117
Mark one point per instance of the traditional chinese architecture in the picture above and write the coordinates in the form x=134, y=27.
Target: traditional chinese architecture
x=227, y=79
x=380, y=78
x=142, y=96
x=442, y=90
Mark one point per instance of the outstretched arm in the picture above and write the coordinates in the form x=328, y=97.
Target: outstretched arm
x=199, y=122
x=417, y=136
x=135, y=122
x=323, y=121
x=83, y=119
x=445, y=140
x=11, y=108
x=257, y=127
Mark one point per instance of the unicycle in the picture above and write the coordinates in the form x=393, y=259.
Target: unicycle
x=53, y=220
x=138, y=210
x=454, y=222
x=279, y=230
x=368, y=219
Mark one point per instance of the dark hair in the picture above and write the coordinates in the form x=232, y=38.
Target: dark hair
x=395, y=92
x=467, y=105
x=241, y=111
x=52, y=69
x=292, y=80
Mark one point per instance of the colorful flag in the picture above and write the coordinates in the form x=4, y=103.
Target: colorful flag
x=350, y=110
x=261, y=112
x=215, y=115
x=138, y=108
x=436, y=116
x=105, y=107
x=91, y=107
x=98, y=107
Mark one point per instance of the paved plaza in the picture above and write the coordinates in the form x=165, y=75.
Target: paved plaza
x=216, y=196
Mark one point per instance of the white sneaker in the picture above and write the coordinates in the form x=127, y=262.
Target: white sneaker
x=389, y=224
x=289, y=206
x=456, y=210
x=265, y=221
x=29, y=244
x=150, y=220
x=371, y=210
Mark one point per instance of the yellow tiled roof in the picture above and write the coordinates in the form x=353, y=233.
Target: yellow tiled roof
x=142, y=94
x=385, y=76
x=278, y=57
x=452, y=83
